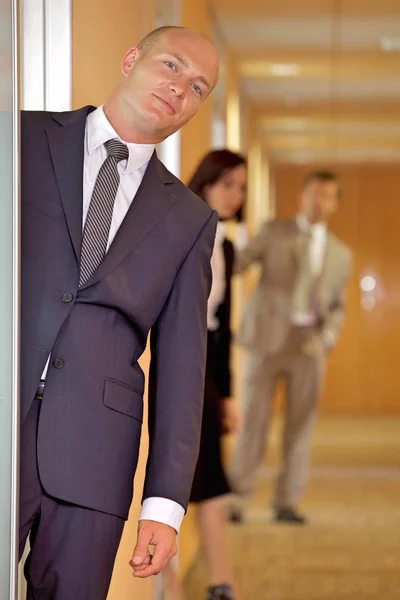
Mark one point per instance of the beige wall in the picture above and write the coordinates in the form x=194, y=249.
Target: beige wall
x=196, y=135
x=102, y=31
x=233, y=105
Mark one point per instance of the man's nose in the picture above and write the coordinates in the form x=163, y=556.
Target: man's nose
x=177, y=88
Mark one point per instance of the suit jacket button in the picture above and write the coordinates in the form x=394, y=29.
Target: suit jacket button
x=58, y=363
x=67, y=297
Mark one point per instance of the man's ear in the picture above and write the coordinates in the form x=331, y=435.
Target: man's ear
x=129, y=60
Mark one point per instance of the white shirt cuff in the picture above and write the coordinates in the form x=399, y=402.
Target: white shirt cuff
x=162, y=510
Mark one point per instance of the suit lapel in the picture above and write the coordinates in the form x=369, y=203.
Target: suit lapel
x=152, y=201
x=66, y=137
x=328, y=265
x=295, y=240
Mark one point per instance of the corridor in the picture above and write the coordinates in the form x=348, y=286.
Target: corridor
x=351, y=548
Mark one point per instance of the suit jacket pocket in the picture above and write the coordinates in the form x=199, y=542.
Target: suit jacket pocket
x=123, y=398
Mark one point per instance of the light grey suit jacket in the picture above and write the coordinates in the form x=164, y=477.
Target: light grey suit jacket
x=267, y=317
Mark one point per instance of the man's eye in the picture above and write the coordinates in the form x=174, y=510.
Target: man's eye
x=197, y=89
x=170, y=65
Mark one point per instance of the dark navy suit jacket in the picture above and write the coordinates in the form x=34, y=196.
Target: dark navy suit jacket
x=156, y=276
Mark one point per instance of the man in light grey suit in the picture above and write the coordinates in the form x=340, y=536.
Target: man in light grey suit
x=291, y=321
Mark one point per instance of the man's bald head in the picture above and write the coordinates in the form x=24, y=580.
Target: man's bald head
x=166, y=79
x=157, y=34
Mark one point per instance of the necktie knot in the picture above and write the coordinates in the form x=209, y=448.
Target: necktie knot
x=117, y=149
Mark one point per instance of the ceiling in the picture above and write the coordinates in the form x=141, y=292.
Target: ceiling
x=321, y=77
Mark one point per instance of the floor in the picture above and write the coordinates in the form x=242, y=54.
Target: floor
x=351, y=548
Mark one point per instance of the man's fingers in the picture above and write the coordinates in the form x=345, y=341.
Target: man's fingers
x=148, y=571
x=141, y=551
x=159, y=559
x=163, y=538
x=160, y=556
x=145, y=563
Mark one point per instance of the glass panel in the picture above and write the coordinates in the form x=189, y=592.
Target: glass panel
x=7, y=297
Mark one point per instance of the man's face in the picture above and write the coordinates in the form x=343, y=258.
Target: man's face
x=165, y=85
x=320, y=200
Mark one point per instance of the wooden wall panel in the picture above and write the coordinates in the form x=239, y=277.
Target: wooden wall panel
x=362, y=372
x=102, y=32
x=196, y=135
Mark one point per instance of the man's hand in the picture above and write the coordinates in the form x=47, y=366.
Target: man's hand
x=163, y=538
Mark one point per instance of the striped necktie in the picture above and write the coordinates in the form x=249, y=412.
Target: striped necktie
x=99, y=217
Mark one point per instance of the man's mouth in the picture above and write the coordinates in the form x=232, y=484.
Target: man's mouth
x=167, y=103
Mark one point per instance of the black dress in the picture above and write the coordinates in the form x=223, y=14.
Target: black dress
x=210, y=480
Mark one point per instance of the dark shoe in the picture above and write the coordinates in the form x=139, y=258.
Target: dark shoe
x=220, y=592
x=288, y=515
x=236, y=515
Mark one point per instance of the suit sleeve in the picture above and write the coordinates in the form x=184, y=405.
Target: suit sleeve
x=334, y=320
x=177, y=371
x=254, y=252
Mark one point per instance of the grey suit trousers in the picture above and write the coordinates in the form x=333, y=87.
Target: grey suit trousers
x=72, y=548
x=303, y=374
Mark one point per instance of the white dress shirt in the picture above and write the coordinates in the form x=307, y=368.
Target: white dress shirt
x=98, y=131
x=218, y=287
x=319, y=236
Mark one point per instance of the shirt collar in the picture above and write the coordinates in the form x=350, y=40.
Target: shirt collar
x=305, y=226
x=99, y=130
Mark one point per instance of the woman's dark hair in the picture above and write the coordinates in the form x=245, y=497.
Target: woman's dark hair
x=212, y=167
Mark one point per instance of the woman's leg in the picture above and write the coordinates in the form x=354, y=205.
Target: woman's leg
x=212, y=522
x=172, y=583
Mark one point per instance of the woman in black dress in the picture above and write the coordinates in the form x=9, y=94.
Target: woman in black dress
x=220, y=180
